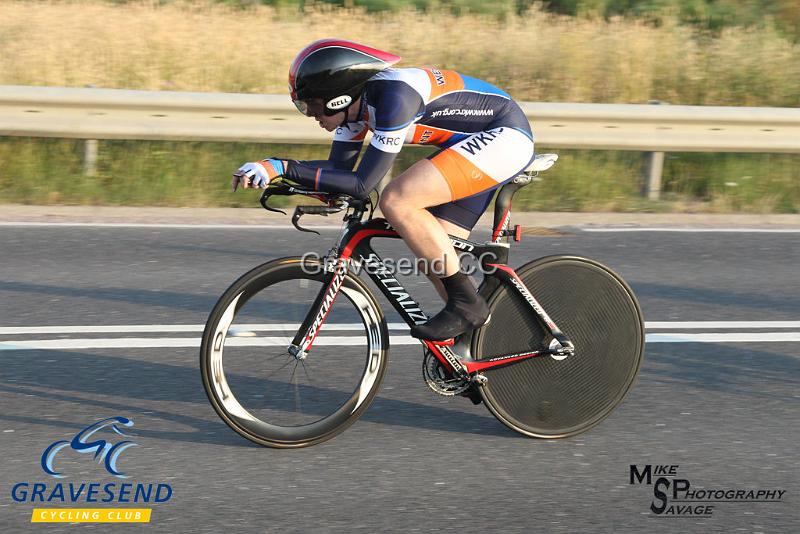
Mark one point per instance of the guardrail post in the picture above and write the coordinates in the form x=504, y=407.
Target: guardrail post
x=90, y=151
x=90, y=157
x=653, y=168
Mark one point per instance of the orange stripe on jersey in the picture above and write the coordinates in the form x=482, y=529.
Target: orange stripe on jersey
x=428, y=135
x=443, y=81
x=464, y=178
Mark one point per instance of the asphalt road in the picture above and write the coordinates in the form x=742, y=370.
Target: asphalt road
x=725, y=412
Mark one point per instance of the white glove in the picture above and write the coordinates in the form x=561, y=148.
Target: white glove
x=258, y=173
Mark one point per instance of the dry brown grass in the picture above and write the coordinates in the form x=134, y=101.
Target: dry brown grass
x=200, y=46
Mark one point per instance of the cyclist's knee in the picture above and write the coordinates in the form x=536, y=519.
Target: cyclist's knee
x=387, y=202
x=393, y=203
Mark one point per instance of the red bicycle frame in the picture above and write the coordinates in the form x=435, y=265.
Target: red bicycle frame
x=355, y=247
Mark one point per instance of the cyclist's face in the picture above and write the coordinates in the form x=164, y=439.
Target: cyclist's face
x=330, y=123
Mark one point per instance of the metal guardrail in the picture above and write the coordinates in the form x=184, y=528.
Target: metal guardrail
x=124, y=114
x=87, y=113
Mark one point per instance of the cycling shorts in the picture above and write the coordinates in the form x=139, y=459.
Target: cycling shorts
x=475, y=166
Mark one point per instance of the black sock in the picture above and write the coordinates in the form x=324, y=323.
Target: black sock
x=465, y=310
x=459, y=287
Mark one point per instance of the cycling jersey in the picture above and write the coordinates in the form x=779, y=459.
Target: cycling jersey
x=485, y=138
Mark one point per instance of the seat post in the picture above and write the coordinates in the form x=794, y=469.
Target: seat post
x=502, y=205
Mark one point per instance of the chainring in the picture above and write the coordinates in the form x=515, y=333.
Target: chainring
x=441, y=380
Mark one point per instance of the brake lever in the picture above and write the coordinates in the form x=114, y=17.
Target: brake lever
x=299, y=211
x=265, y=198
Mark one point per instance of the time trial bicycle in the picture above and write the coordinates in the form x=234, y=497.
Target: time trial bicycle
x=295, y=350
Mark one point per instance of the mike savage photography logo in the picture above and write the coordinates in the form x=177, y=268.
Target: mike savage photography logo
x=102, y=442
x=677, y=497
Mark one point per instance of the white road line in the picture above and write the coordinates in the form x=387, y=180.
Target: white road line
x=696, y=230
x=237, y=227
x=162, y=328
x=153, y=328
x=150, y=343
x=702, y=325
x=336, y=228
x=191, y=342
x=727, y=337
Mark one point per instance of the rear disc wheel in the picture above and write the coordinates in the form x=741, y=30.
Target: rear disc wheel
x=547, y=397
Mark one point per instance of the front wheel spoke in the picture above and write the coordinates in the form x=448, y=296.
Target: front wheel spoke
x=270, y=356
x=305, y=370
x=298, y=406
x=288, y=361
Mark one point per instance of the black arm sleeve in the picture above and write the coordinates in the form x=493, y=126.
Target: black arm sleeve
x=359, y=184
x=343, y=156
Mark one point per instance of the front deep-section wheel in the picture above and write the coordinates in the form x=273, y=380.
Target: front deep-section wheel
x=272, y=396
x=553, y=398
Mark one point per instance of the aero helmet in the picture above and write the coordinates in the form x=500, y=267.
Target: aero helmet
x=334, y=71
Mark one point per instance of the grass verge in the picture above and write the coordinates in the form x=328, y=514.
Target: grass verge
x=537, y=56
x=156, y=173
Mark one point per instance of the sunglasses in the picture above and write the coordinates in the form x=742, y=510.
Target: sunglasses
x=311, y=108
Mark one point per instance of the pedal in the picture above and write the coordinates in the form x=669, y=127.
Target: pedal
x=515, y=233
x=479, y=379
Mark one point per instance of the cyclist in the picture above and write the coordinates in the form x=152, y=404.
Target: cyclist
x=484, y=139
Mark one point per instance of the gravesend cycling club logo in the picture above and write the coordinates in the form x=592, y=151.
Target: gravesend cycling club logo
x=104, y=442
x=676, y=497
x=108, y=453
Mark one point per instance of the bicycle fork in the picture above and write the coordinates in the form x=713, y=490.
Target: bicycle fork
x=315, y=317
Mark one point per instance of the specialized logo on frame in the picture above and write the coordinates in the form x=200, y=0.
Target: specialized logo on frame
x=105, y=443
